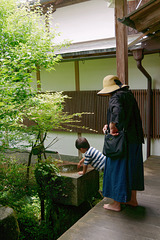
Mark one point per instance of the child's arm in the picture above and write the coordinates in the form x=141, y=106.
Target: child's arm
x=80, y=162
x=84, y=170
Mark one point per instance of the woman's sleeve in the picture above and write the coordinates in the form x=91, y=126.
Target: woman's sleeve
x=116, y=112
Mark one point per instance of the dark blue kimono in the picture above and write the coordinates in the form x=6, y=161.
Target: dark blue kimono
x=125, y=174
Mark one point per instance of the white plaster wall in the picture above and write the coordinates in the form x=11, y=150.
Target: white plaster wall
x=155, y=147
x=65, y=144
x=93, y=71
x=60, y=79
x=151, y=64
x=84, y=21
x=91, y=74
x=144, y=150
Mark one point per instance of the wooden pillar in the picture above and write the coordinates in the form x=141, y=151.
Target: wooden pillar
x=76, y=64
x=121, y=41
x=77, y=84
x=38, y=80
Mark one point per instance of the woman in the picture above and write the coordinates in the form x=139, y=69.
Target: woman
x=125, y=175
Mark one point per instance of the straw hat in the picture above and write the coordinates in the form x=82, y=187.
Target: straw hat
x=111, y=83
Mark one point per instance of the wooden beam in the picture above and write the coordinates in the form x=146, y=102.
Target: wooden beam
x=60, y=3
x=147, y=17
x=121, y=41
x=137, y=39
x=65, y=3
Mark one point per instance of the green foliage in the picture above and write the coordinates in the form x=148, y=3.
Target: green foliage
x=101, y=180
x=25, y=201
x=51, y=185
x=25, y=45
x=46, y=174
x=25, y=38
x=47, y=111
x=13, y=187
x=60, y=218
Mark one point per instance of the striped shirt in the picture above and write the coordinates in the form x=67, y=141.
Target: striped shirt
x=95, y=158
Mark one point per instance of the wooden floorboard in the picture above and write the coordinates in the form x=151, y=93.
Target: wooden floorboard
x=139, y=223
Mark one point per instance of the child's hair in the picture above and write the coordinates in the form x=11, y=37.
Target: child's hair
x=82, y=142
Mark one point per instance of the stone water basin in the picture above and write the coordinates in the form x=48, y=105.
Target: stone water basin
x=78, y=188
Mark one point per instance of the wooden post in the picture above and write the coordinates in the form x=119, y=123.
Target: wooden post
x=38, y=79
x=121, y=41
x=76, y=64
x=77, y=83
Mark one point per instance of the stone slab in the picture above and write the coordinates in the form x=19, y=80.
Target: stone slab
x=79, y=188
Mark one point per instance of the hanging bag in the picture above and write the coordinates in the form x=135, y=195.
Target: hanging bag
x=116, y=146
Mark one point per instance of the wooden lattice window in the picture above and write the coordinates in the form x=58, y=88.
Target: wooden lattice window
x=88, y=101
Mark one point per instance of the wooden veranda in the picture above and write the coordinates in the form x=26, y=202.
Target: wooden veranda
x=132, y=223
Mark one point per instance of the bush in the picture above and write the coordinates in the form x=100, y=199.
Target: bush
x=24, y=199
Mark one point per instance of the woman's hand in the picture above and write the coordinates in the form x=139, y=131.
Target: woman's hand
x=113, y=129
x=105, y=128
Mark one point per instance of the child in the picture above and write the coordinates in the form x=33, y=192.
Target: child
x=91, y=156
